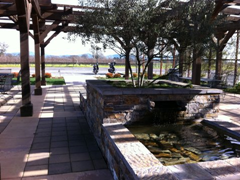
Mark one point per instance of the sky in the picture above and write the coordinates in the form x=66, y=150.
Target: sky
x=58, y=46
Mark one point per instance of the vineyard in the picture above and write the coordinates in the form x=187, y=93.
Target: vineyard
x=15, y=59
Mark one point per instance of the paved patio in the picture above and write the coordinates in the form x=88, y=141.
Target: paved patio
x=55, y=143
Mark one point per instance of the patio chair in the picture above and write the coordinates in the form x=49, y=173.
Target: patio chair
x=223, y=83
x=219, y=82
x=5, y=86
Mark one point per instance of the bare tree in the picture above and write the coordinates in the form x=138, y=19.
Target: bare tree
x=3, y=48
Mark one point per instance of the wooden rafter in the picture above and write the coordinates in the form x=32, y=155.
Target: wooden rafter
x=36, y=7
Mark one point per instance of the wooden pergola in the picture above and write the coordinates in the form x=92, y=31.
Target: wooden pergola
x=42, y=17
x=231, y=8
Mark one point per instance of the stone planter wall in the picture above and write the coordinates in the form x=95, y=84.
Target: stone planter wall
x=108, y=104
x=108, y=108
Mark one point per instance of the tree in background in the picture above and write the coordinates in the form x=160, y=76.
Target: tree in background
x=111, y=23
x=127, y=25
x=146, y=28
x=3, y=48
x=193, y=31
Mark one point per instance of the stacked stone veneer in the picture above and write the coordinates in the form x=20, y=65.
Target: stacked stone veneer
x=108, y=104
x=108, y=108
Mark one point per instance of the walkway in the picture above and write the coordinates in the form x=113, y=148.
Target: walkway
x=230, y=108
x=229, y=112
x=55, y=143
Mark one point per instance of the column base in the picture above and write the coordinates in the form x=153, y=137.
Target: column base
x=26, y=110
x=38, y=91
x=43, y=83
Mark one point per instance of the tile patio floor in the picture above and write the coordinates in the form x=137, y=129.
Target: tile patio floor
x=55, y=143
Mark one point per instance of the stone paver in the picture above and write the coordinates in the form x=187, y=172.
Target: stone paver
x=55, y=143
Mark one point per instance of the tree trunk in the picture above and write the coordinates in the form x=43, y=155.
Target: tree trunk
x=174, y=57
x=127, y=63
x=181, y=60
x=209, y=62
x=236, y=61
x=196, y=68
x=161, y=63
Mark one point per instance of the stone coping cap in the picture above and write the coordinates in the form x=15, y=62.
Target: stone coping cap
x=106, y=89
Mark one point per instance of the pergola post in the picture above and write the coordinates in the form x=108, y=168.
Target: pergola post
x=43, y=82
x=218, y=71
x=38, y=89
x=196, y=71
x=222, y=39
x=24, y=10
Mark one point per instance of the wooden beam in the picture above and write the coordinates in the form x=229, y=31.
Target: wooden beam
x=218, y=8
x=45, y=2
x=50, y=38
x=14, y=18
x=60, y=15
x=226, y=38
x=36, y=8
x=55, y=34
x=9, y=1
x=56, y=29
x=49, y=28
x=30, y=34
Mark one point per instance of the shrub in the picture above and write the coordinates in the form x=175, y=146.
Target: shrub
x=117, y=75
x=237, y=86
x=109, y=75
x=48, y=75
x=15, y=74
x=135, y=75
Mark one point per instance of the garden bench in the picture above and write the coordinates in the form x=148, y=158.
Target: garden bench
x=211, y=82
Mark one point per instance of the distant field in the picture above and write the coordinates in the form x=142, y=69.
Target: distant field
x=60, y=65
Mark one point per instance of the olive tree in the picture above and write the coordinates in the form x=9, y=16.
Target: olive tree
x=131, y=26
x=194, y=30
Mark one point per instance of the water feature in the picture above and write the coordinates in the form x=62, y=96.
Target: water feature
x=165, y=112
x=109, y=108
x=182, y=142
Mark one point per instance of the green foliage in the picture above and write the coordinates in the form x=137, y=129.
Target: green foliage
x=49, y=81
x=235, y=89
x=147, y=28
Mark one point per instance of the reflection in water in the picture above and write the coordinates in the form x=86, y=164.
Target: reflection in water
x=185, y=143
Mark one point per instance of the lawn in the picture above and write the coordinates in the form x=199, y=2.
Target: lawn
x=49, y=81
